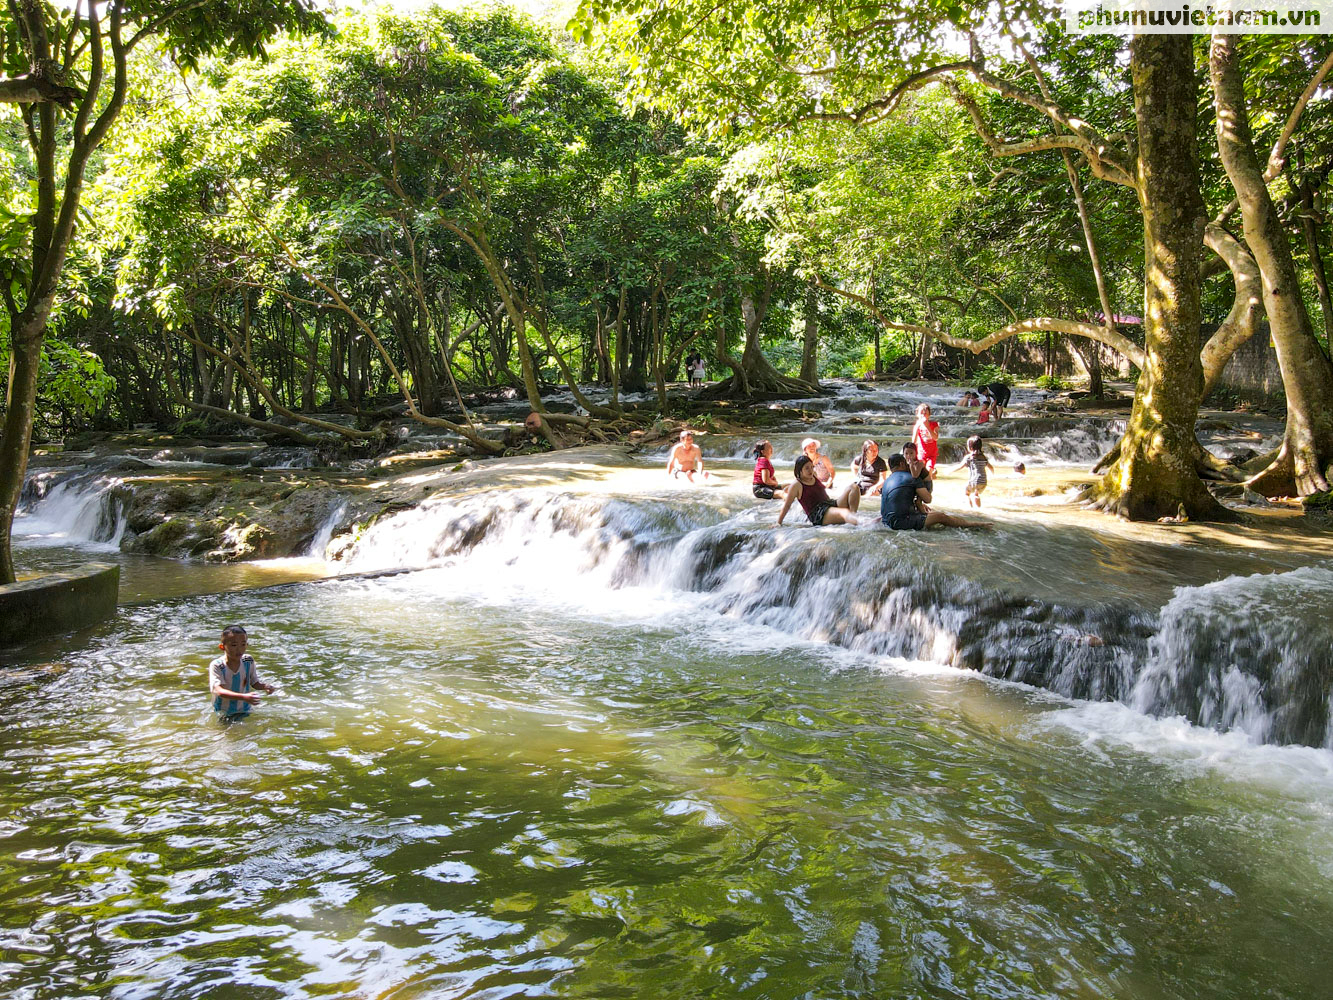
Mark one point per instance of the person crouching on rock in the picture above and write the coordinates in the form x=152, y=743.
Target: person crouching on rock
x=766, y=485
x=815, y=501
x=905, y=502
x=686, y=457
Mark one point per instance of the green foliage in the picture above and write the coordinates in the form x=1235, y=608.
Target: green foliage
x=988, y=372
x=1051, y=383
x=72, y=380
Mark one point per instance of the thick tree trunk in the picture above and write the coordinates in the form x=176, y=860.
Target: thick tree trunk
x=20, y=408
x=1239, y=326
x=1304, y=463
x=1154, y=475
x=757, y=376
x=810, y=344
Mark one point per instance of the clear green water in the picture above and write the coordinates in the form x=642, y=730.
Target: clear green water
x=463, y=797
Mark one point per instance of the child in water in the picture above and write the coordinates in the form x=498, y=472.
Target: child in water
x=233, y=676
x=926, y=437
x=976, y=463
x=766, y=485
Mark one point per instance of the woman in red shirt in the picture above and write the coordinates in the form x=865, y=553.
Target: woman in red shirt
x=766, y=485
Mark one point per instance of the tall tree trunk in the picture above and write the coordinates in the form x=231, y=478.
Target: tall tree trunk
x=1311, y=233
x=25, y=361
x=757, y=375
x=1154, y=474
x=810, y=344
x=1091, y=358
x=1304, y=463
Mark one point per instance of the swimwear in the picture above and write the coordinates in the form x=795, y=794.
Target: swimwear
x=927, y=447
x=762, y=492
x=815, y=501
x=976, y=472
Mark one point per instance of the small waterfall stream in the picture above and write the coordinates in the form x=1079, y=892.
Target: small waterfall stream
x=90, y=510
x=1248, y=653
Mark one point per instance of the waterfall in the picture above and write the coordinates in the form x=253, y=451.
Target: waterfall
x=320, y=542
x=87, y=510
x=1249, y=653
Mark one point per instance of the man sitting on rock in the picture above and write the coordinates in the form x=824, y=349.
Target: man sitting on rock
x=905, y=502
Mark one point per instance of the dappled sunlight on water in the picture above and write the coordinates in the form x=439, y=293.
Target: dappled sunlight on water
x=451, y=797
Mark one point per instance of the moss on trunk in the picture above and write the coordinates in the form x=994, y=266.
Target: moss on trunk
x=1154, y=474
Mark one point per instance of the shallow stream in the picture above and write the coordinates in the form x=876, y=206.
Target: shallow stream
x=627, y=739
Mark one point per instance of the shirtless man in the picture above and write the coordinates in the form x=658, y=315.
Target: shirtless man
x=686, y=457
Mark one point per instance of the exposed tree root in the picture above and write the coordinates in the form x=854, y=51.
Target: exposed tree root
x=1281, y=477
x=771, y=387
x=1146, y=504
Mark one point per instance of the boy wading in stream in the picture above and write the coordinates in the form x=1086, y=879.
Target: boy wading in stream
x=233, y=677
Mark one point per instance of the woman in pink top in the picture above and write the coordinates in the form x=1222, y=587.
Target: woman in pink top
x=926, y=436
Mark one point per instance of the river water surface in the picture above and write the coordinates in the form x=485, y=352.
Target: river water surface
x=454, y=797
x=572, y=770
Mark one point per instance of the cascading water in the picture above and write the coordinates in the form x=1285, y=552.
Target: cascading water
x=884, y=593
x=83, y=510
x=1251, y=653
x=320, y=543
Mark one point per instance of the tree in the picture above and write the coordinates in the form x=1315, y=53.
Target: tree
x=1304, y=461
x=69, y=70
x=788, y=65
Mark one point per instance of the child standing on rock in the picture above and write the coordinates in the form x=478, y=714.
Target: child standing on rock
x=233, y=677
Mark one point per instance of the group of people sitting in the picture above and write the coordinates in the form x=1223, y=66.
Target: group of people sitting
x=991, y=398
x=904, y=482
